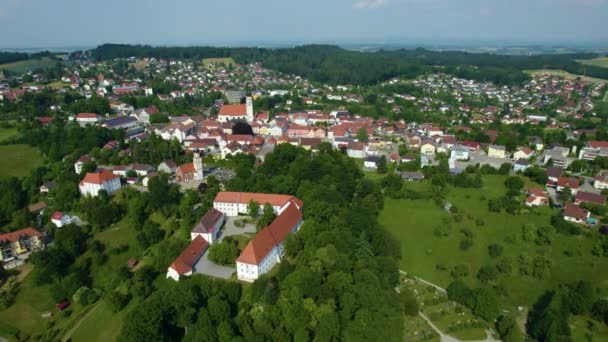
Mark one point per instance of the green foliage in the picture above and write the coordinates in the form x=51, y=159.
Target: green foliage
x=507, y=328
x=253, y=208
x=117, y=301
x=409, y=303
x=267, y=217
x=495, y=250
x=225, y=252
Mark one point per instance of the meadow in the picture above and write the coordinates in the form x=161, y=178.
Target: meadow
x=601, y=62
x=28, y=65
x=431, y=257
x=217, y=61
x=18, y=160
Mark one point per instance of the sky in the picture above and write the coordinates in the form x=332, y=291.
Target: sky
x=64, y=23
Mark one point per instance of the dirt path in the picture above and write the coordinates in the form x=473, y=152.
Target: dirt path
x=80, y=322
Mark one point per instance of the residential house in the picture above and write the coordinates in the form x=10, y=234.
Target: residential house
x=497, y=151
x=105, y=180
x=523, y=153
x=371, y=162
x=554, y=173
x=601, y=181
x=459, y=152
x=412, y=176
x=589, y=197
x=88, y=119
x=428, y=147
x=168, y=166
x=60, y=219
x=594, y=149
x=356, y=150
x=80, y=163
x=536, y=197
x=521, y=165
x=46, y=187
x=20, y=243
x=568, y=182
x=574, y=213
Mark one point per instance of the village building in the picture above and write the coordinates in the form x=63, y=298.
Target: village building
x=183, y=266
x=191, y=171
x=20, y=243
x=573, y=213
x=208, y=227
x=105, y=180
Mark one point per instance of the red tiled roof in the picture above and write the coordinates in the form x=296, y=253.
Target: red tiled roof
x=572, y=183
x=233, y=110
x=99, y=177
x=583, y=196
x=16, y=235
x=186, y=168
x=57, y=215
x=272, y=235
x=597, y=144
x=87, y=116
x=185, y=261
x=572, y=210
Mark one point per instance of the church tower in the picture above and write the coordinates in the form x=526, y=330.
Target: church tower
x=198, y=166
x=249, y=107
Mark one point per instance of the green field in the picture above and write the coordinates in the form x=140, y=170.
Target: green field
x=218, y=61
x=101, y=325
x=432, y=258
x=28, y=65
x=7, y=133
x=18, y=160
x=601, y=62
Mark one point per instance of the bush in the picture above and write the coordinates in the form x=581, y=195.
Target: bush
x=466, y=244
x=495, y=250
x=487, y=273
x=460, y=271
x=224, y=253
x=117, y=301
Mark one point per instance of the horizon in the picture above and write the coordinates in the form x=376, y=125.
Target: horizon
x=409, y=22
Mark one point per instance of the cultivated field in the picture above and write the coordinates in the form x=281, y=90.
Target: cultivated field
x=431, y=257
x=18, y=160
x=28, y=65
x=218, y=61
x=598, y=62
x=564, y=74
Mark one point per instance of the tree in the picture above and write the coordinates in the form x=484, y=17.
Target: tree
x=253, y=208
x=514, y=184
x=507, y=328
x=487, y=273
x=224, y=253
x=565, y=195
x=486, y=304
x=267, y=216
x=409, y=303
x=495, y=250
x=117, y=301
x=362, y=135
x=382, y=165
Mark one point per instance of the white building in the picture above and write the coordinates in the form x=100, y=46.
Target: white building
x=80, y=163
x=237, y=112
x=266, y=249
x=601, y=181
x=208, y=227
x=94, y=182
x=183, y=266
x=235, y=203
x=88, y=118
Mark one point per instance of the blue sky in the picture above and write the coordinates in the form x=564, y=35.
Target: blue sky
x=50, y=23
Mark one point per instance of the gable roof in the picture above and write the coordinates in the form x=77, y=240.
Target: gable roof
x=99, y=177
x=207, y=223
x=233, y=110
x=589, y=197
x=272, y=235
x=19, y=234
x=572, y=210
x=185, y=261
x=244, y=198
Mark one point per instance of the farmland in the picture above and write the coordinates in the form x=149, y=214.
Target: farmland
x=28, y=65
x=218, y=61
x=601, y=62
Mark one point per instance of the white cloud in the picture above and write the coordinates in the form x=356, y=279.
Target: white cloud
x=369, y=4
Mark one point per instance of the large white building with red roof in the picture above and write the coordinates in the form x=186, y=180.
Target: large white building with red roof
x=185, y=262
x=237, y=112
x=92, y=183
x=265, y=250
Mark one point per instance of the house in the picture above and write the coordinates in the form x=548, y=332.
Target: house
x=589, y=197
x=185, y=262
x=141, y=169
x=47, y=186
x=235, y=203
x=80, y=163
x=553, y=174
x=208, y=227
x=573, y=213
x=536, y=197
x=371, y=162
x=60, y=219
x=265, y=250
x=594, y=149
x=191, y=171
x=523, y=153
x=356, y=150
x=20, y=243
x=412, y=176
x=105, y=180
x=472, y=145
x=88, y=118
x=601, y=181
x=168, y=166
x=459, y=152
x=567, y=182
x=428, y=148
x=497, y=151
x=521, y=165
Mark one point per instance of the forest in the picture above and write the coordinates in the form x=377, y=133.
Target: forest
x=334, y=65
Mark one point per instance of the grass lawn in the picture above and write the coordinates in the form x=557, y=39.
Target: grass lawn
x=417, y=329
x=18, y=160
x=7, y=133
x=28, y=65
x=217, y=61
x=102, y=325
x=413, y=222
x=585, y=329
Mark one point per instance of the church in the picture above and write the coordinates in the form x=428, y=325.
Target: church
x=192, y=171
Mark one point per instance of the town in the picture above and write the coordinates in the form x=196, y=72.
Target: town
x=148, y=173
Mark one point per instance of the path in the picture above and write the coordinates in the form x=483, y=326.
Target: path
x=439, y=288
x=82, y=320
